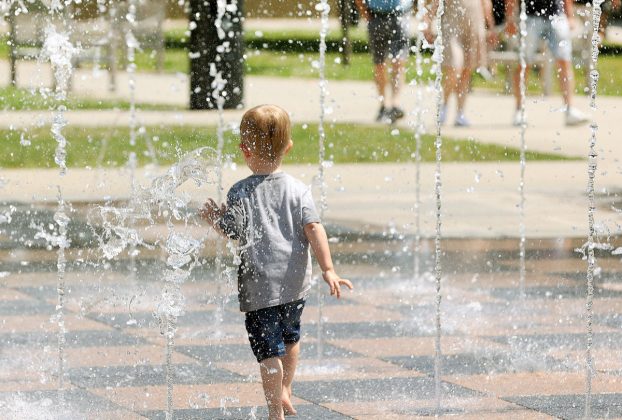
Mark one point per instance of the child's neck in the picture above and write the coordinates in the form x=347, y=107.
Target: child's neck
x=267, y=171
x=264, y=168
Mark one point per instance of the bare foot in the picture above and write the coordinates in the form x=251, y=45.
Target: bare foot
x=288, y=408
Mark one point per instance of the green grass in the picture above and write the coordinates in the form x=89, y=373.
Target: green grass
x=269, y=62
x=278, y=64
x=17, y=99
x=346, y=143
x=279, y=39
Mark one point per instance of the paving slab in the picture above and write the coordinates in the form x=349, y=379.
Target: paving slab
x=504, y=354
x=501, y=357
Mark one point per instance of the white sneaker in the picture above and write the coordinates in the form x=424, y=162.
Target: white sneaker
x=462, y=121
x=519, y=119
x=485, y=73
x=575, y=117
x=443, y=115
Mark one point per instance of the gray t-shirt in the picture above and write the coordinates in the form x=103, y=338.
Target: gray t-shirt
x=267, y=214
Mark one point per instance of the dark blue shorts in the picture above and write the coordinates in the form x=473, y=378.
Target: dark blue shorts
x=270, y=329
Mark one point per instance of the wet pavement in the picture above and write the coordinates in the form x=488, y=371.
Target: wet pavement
x=503, y=355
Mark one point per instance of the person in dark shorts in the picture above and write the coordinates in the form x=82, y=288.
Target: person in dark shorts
x=273, y=218
x=387, y=25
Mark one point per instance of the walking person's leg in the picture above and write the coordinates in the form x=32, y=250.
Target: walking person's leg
x=290, y=361
x=380, y=79
x=397, y=80
x=450, y=83
x=535, y=27
x=560, y=43
x=566, y=81
x=398, y=26
x=378, y=41
x=462, y=90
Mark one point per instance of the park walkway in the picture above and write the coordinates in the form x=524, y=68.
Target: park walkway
x=508, y=350
x=479, y=199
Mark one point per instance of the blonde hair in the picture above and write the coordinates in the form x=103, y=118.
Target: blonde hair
x=266, y=131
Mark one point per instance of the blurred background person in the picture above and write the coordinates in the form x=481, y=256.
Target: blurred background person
x=464, y=24
x=387, y=25
x=552, y=21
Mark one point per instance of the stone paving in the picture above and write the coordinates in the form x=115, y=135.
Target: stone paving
x=502, y=356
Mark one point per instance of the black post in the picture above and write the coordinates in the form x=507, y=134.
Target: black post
x=345, y=16
x=12, y=46
x=208, y=52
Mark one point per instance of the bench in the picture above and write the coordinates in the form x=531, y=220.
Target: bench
x=510, y=59
x=147, y=29
x=93, y=37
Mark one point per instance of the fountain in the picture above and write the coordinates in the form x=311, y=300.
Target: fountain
x=419, y=129
x=438, y=58
x=59, y=50
x=592, y=164
x=110, y=277
x=324, y=9
x=522, y=162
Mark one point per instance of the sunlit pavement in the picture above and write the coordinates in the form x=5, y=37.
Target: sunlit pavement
x=503, y=356
x=479, y=198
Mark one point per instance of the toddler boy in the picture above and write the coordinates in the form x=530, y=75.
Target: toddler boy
x=273, y=217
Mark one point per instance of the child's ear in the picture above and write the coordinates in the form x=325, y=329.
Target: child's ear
x=245, y=150
x=288, y=147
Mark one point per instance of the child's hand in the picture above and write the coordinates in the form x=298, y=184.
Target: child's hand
x=211, y=213
x=335, y=282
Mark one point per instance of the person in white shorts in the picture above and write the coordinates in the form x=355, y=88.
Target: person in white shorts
x=549, y=20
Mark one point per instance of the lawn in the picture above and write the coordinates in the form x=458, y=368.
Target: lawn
x=17, y=99
x=95, y=147
x=301, y=64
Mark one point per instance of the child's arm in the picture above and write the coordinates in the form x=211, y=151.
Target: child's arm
x=212, y=214
x=316, y=235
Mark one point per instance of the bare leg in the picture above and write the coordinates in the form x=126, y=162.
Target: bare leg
x=290, y=361
x=449, y=83
x=463, y=88
x=516, y=87
x=397, y=80
x=380, y=77
x=566, y=81
x=272, y=380
x=449, y=87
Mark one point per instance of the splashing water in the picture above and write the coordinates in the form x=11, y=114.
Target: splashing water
x=182, y=250
x=324, y=9
x=116, y=224
x=59, y=239
x=592, y=164
x=438, y=58
x=132, y=45
x=7, y=216
x=58, y=49
x=419, y=130
x=522, y=160
x=219, y=85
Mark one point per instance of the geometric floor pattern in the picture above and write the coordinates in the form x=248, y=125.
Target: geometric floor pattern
x=503, y=355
